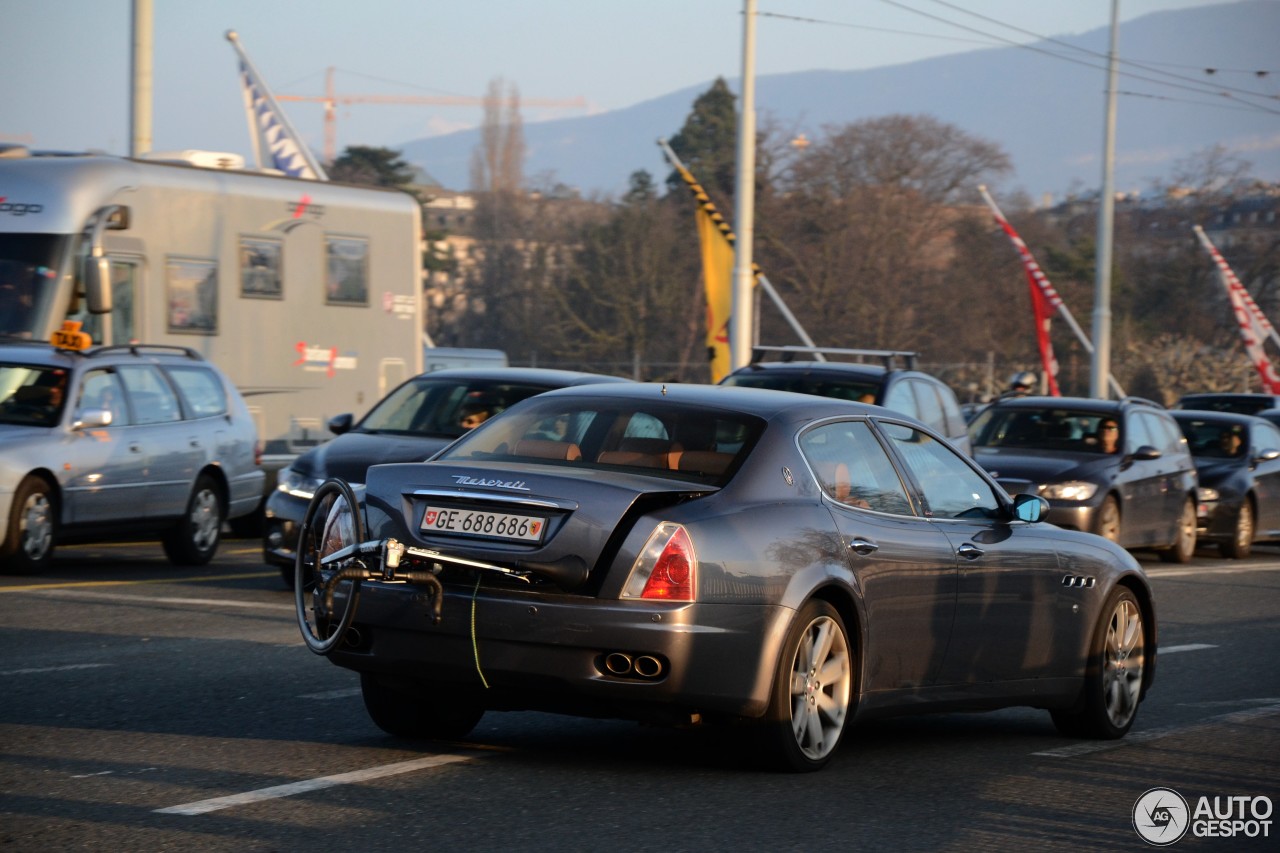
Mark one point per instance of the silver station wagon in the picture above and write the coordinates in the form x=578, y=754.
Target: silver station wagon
x=119, y=442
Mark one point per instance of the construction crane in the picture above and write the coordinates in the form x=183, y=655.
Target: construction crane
x=331, y=99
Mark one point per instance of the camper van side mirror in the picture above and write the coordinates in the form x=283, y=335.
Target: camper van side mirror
x=97, y=284
x=97, y=267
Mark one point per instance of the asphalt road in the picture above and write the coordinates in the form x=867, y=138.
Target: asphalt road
x=144, y=707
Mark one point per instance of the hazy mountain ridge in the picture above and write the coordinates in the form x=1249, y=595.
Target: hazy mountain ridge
x=1047, y=113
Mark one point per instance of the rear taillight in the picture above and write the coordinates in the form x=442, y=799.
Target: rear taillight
x=667, y=568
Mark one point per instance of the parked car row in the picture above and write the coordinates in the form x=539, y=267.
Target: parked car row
x=785, y=563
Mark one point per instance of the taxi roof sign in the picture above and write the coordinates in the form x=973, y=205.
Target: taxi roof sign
x=70, y=337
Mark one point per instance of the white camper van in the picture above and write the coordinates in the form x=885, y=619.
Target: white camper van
x=305, y=293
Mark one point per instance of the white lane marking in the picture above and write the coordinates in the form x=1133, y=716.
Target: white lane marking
x=278, y=791
x=1230, y=703
x=1156, y=734
x=147, y=599
x=39, y=669
x=1210, y=572
x=1189, y=647
x=333, y=694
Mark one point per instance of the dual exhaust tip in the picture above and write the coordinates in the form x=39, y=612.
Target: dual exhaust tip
x=627, y=665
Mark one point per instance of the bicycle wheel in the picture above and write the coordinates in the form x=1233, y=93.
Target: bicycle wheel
x=325, y=599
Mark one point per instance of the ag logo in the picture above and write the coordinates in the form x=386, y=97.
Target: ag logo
x=1161, y=816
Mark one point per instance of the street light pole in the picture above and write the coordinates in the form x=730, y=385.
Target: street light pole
x=1106, y=227
x=140, y=81
x=741, y=323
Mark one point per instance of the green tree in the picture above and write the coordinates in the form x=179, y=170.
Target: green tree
x=708, y=144
x=378, y=167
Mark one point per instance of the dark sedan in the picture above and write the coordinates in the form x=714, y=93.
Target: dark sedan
x=689, y=554
x=1238, y=460
x=411, y=423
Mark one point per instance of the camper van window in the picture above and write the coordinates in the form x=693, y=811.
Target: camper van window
x=261, y=274
x=348, y=262
x=191, y=290
x=124, y=284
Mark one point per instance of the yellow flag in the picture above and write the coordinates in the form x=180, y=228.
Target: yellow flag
x=717, y=275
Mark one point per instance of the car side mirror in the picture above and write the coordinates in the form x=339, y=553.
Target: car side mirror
x=1146, y=452
x=1031, y=508
x=339, y=424
x=1267, y=455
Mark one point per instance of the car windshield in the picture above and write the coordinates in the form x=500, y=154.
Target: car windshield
x=440, y=406
x=1210, y=439
x=1046, y=429
x=652, y=437
x=31, y=395
x=28, y=281
x=853, y=388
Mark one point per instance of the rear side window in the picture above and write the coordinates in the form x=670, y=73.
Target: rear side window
x=900, y=399
x=853, y=468
x=201, y=391
x=152, y=399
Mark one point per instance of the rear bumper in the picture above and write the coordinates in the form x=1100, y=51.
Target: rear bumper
x=549, y=652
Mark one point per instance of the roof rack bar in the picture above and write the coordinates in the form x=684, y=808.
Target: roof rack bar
x=788, y=353
x=137, y=349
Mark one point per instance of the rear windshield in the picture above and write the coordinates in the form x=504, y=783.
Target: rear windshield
x=444, y=407
x=1235, y=405
x=838, y=388
x=651, y=438
x=1041, y=429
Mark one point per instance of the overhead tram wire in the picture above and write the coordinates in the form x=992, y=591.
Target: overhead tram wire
x=1145, y=66
x=992, y=39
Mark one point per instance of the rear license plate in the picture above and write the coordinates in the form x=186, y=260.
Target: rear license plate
x=498, y=525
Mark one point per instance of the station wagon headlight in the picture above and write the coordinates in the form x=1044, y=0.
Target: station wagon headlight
x=1072, y=490
x=298, y=485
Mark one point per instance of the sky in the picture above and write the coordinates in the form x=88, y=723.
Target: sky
x=66, y=63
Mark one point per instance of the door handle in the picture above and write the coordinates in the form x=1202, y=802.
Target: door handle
x=134, y=447
x=970, y=552
x=863, y=547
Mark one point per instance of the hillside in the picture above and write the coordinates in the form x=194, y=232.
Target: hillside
x=1046, y=112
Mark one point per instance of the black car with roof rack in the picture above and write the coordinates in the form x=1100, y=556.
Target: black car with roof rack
x=891, y=379
x=1118, y=468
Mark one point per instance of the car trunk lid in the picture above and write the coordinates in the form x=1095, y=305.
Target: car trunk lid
x=555, y=522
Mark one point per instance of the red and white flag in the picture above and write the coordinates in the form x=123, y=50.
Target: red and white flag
x=1045, y=301
x=1254, y=326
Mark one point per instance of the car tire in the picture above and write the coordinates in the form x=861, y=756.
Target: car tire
x=1114, y=673
x=1241, y=543
x=418, y=711
x=32, y=529
x=813, y=689
x=1184, y=547
x=194, y=539
x=1108, y=522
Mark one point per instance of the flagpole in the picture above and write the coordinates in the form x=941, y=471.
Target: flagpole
x=741, y=323
x=1225, y=271
x=761, y=279
x=278, y=115
x=1056, y=299
x=1254, y=326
